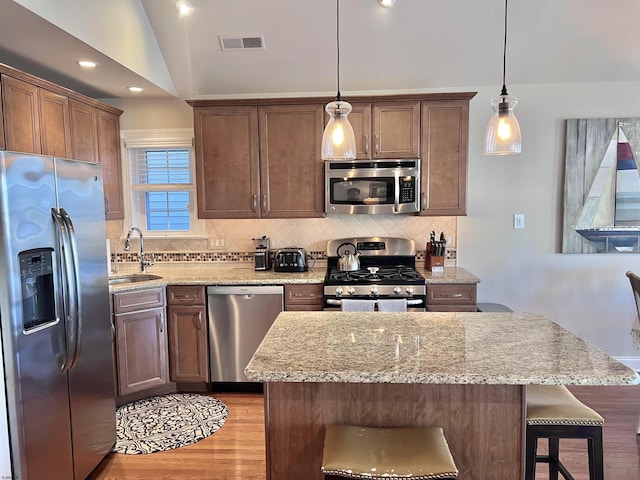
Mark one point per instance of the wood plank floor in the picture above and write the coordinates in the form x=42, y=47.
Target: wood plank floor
x=237, y=452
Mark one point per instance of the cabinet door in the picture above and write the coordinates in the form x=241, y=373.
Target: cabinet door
x=188, y=355
x=303, y=297
x=141, y=340
x=360, y=119
x=291, y=166
x=109, y=157
x=445, y=132
x=396, y=130
x=84, y=131
x=55, y=125
x=2, y=143
x=227, y=168
x=22, y=116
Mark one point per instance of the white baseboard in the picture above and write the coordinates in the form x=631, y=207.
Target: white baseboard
x=631, y=362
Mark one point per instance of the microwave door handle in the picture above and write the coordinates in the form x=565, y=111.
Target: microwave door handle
x=396, y=193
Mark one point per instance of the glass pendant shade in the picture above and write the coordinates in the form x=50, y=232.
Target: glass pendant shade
x=503, y=130
x=338, y=139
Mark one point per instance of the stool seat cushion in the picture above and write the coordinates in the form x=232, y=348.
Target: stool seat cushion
x=411, y=453
x=556, y=405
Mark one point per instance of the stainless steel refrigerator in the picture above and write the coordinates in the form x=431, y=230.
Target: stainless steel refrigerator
x=55, y=319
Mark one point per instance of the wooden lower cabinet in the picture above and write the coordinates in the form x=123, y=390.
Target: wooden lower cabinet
x=304, y=297
x=141, y=340
x=188, y=351
x=452, y=297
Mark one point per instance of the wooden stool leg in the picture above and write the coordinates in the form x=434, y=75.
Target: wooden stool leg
x=531, y=447
x=554, y=457
x=596, y=455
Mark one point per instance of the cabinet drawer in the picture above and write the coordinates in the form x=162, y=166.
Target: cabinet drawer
x=452, y=308
x=451, y=294
x=306, y=294
x=133, y=300
x=185, y=295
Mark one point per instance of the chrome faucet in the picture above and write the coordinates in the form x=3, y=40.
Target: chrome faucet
x=144, y=263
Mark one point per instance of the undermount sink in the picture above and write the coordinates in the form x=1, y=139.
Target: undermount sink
x=133, y=278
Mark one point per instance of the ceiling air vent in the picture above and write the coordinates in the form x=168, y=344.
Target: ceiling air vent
x=246, y=42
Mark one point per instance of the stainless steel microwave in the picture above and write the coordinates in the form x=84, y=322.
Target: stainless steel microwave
x=380, y=186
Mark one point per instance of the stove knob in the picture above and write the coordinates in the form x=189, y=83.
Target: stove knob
x=374, y=290
x=351, y=291
x=397, y=290
x=339, y=291
x=409, y=290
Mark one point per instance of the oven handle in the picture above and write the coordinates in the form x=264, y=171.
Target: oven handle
x=410, y=301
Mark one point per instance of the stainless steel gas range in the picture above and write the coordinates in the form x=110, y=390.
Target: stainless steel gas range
x=386, y=271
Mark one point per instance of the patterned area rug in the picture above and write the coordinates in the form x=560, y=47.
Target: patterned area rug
x=166, y=422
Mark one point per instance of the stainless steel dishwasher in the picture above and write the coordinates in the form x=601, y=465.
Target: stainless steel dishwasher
x=239, y=317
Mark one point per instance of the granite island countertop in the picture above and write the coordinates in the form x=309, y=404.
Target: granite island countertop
x=431, y=348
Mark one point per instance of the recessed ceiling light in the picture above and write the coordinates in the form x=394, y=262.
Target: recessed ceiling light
x=184, y=7
x=135, y=89
x=87, y=64
x=386, y=3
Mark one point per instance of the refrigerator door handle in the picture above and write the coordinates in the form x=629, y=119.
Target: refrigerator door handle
x=63, y=298
x=74, y=290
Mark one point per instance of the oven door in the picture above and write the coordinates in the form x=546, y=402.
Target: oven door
x=414, y=304
x=368, y=187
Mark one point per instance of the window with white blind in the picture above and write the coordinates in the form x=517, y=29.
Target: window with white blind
x=162, y=190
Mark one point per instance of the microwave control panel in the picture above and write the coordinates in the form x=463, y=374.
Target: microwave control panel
x=407, y=190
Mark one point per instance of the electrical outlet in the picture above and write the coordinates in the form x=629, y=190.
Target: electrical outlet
x=518, y=220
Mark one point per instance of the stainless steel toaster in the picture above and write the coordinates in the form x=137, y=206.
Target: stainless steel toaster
x=290, y=259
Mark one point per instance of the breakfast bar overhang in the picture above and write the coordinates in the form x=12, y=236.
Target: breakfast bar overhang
x=464, y=372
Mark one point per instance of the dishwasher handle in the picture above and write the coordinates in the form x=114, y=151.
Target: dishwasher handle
x=246, y=290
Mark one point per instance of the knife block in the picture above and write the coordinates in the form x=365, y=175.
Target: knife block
x=434, y=263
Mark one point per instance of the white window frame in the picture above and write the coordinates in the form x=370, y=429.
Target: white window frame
x=175, y=138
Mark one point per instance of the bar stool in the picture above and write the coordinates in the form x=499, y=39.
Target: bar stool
x=406, y=453
x=554, y=413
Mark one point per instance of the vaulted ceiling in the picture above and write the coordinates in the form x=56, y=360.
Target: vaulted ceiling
x=418, y=45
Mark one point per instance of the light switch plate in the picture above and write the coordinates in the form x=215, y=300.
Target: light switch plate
x=518, y=220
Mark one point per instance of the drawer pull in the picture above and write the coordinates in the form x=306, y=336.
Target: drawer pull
x=456, y=295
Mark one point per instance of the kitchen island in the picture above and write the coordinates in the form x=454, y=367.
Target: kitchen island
x=465, y=372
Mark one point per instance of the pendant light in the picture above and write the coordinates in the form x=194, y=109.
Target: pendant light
x=338, y=139
x=503, y=130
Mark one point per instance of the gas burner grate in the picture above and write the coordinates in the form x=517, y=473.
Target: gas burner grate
x=397, y=273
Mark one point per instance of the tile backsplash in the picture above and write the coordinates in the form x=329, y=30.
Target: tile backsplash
x=230, y=240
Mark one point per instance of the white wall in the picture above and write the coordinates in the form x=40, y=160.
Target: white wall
x=587, y=294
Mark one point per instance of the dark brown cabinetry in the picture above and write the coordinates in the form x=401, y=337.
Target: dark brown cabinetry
x=37, y=116
x=451, y=297
x=304, y=297
x=188, y=354
x=259, y=161
x=386, y=129
x=141, y=340
x=445, y=125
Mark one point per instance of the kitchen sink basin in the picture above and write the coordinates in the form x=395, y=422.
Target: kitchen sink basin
x=133, y=278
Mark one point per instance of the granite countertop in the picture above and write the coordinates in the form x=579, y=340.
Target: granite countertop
x=192, y=273
x=228, y=273
x=436, y=348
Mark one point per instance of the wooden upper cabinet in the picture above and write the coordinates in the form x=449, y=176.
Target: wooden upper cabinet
x=109, y=156
x=55, y=125
x=22, y=115
x=445, y=132
x=276, y=173
x=291, y=167
x=227, y=168
x=386, y=129
x=84, y=131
